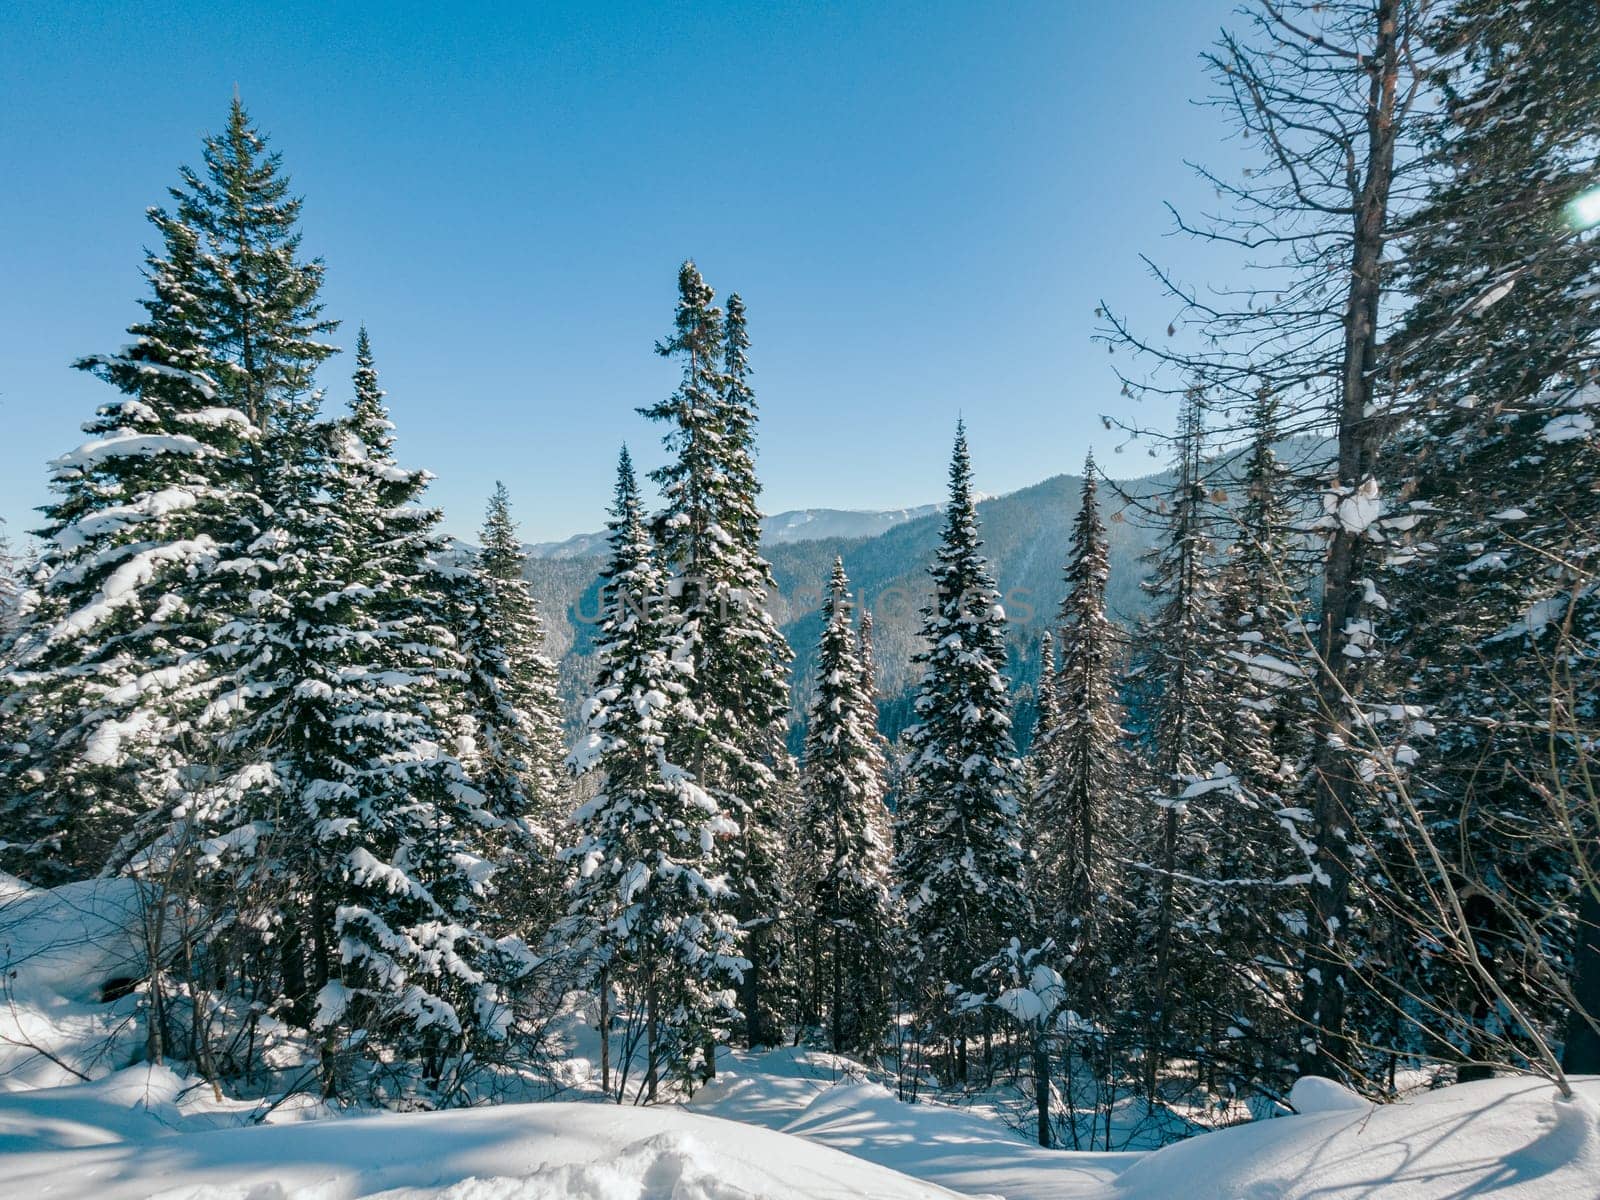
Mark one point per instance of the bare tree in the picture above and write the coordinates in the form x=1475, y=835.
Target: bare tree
x=1330, y=94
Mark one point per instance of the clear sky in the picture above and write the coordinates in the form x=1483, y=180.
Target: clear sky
x=921, y=204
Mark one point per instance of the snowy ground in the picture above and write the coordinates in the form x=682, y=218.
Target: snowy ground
x=125, y=1138
x=786, y=1125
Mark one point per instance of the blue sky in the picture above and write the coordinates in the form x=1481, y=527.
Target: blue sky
x=921, y=203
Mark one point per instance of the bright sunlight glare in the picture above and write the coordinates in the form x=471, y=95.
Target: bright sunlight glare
x=1585, y=209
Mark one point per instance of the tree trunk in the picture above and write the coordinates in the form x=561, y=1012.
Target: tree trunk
x=651, y=1068
x=1325, y=980
x=1041, y=1088
x=1157, y=1022
x=836, y=1015
x=750, y=990
x=605, y=1032
x=1581, y=1055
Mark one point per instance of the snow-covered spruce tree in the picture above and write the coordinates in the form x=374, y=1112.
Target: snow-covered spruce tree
x=1083, y=779
x=1263, y=605
x=1495, y=601
x=398, y=959
x=1048, y=711
x=958, y=864
x=869, y=695
x=324, y=783
x=709, y=536
x=648, y=899
x=1169, y=983
x=513, y=715
x=255, y=304
x=1035, y=764
x=106, y=664
x=842, y=902
x=1025, y=985
x=868, y=656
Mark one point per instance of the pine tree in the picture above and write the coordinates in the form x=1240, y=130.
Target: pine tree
x=959, y=857
x=1262, y=602
x=107, y=664
x=242, y=613
x=869, y=693
x=1259, y=662
x=1082, y=774
x=403, y=833
x=260, y=297
x=649, y=902
x=709, y=535
x=289, y=624
x=1048, y=716
x=1173, y=840
x=843, y=899
x=1495, y=597
x=869, y=662
x=1037, y=763
x=514, y=722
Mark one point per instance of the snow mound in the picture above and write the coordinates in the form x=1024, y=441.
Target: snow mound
x=772, y=1087
x=1509, y=1139
x=71, y=940
x=669, y=1166
x=526, y=1151
x=63, y=953
x=133, y=1104
x=965, y=1150
x=1311, y=1094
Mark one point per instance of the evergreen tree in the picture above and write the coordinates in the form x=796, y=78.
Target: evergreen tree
x=514, y=721
x=649, y=902
x=273, y=749
x=869, y=662
x=1179, y=645
x=107, y=665
x=709, y=535
x=1494, y=598
x=1262, y=602
x=1249, y=906
x=263, y=314
x=1081, y=773
x=1037, y=764
x=959, y=858
x=292, y=620
x=1048, y=708
x=880, y=743
x=404, y=854
x=843, y=901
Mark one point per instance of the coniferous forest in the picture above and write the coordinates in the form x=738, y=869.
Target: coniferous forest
x=1326, y=808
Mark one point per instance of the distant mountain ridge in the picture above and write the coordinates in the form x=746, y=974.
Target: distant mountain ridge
x=796, y=525
x=1025, y=537
x=887, y=554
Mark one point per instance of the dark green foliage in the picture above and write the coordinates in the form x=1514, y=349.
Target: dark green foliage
x=843, y=910
x=958, y=855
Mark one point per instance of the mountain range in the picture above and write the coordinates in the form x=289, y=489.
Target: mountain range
x=887, y=555
x=796, y=525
